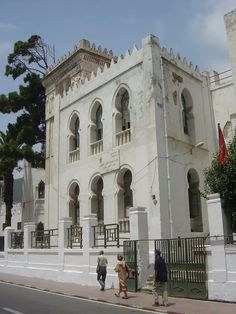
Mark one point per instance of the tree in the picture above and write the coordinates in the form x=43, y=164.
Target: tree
x=221, y=178
x=29, y=59
x=9, y=156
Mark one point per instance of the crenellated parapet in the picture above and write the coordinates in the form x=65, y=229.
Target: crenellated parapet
x=180, y=62
x=94, y=65
x=83, y=44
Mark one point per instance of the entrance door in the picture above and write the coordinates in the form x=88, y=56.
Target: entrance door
x=130, y=256
x=186, y=263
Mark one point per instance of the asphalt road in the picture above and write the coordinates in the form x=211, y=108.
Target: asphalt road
x=21, y=300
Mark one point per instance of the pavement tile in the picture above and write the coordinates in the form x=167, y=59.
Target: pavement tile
x=136, y=300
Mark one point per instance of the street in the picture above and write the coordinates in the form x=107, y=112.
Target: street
x=21, y=300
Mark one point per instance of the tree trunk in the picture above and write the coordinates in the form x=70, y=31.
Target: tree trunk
x=8, y=197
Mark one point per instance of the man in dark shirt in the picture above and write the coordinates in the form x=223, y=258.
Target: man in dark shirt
x=160, y=279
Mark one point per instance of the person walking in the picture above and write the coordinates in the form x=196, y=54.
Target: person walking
x=101, y=270
x=123, y=274
x=160, y=280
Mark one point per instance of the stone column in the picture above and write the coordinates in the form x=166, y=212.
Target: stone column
x=64, y=224
x=7, y=240
x=216, y=262
x=87, y=223
x=139, y=232
x=28, y=228
x=87, y=233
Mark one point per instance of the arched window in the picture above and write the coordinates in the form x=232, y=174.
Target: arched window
x=96, y=129
x=194, y=197
x=100, y=204
x=41, y=190
x=74, y=205
x=76, y=134
x=187, y=115
x=184, y=114
x=125, y=111
x=99, y=123
x=122, y=117
x=74, y=139
x=125, y=194
x=97, y=203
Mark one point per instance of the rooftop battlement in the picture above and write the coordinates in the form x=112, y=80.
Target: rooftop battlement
x=83, y=44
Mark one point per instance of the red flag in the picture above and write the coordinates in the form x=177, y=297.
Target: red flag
x=223, y=153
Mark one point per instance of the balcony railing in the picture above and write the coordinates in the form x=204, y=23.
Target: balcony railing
x=123, y=137
x=44, y=239
x=74, y=155
x=17, y=240
x=96, y=147
x=75, y=236
x=124, y=225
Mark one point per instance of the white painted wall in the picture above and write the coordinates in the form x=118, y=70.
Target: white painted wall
x=146, y=155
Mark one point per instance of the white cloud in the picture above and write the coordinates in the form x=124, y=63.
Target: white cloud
x=6, y=26
x=208, y=28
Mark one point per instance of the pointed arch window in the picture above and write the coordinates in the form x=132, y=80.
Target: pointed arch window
x=96, y=129
x=187, y=115
x=122, y=117
x=41, y=190
x=74, y=204
x=184, y=114
x=128, y=194
x=125, y=111
x=100, y=204
x=74, y=139
x=99, y=123
x=76, y=134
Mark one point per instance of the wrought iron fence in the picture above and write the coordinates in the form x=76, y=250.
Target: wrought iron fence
x=44, y=239
x=186, y=263
x=227, y=240
x=106, y=235
x=75, y=238
x=17, y=240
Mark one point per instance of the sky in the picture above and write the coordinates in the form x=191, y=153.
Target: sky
x=193, y=28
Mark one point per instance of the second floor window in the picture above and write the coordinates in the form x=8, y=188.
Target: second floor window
x=125, y=111
x=41, y=190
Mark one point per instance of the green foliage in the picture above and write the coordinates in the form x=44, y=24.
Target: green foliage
x=29, y=58
x=222, y=179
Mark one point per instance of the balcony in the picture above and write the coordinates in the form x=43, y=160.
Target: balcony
x=96, y=147
x=74, y=155
x=123, y=137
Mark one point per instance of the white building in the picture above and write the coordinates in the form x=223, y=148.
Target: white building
x=129, y=131
x=127, y=141
x=223, y=85
x=28, y=199
x=16, y=212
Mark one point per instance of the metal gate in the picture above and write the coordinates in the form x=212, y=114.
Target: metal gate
x=186, y=263
x=130, y=256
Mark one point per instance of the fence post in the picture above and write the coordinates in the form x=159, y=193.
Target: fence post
x=88, y=237
x=88, y=232
x=139, y=231
x=64, y=224
x=28, y=228
x=217, y=261
x=7, y=240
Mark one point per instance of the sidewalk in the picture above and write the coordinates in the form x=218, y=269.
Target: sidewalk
x=136, y=300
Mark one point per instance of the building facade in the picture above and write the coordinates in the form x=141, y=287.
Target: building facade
x=126, y=132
